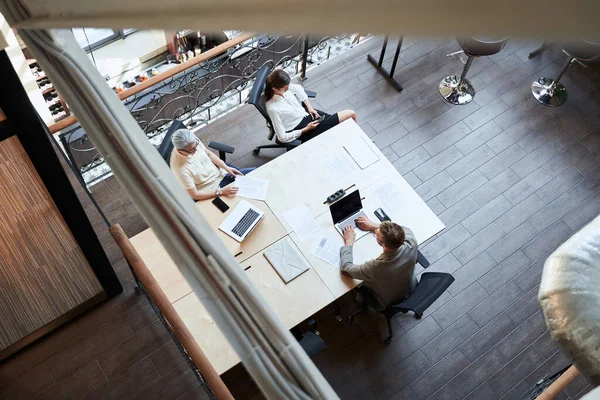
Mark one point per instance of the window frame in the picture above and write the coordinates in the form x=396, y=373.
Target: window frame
x=118, y=34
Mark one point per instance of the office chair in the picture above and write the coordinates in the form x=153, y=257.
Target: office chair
x=430, y=287
x=310, y=340
x=257, y=99
x=166, y=146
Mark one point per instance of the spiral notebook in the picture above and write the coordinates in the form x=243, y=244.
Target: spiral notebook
x=286, y=260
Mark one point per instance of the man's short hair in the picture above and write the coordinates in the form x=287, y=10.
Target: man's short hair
x=392, y=234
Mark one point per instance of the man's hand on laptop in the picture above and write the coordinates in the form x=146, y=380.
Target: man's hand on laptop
x=349, y=235
x=229, y=190
x=365, y=224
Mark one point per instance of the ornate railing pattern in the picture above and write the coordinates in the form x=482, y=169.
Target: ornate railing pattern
x=204, y=92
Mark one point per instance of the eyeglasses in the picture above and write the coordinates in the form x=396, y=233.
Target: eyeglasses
x=193, y=150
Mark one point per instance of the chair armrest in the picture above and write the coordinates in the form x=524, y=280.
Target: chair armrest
x=223, y=149
x=310, y=93
x=422, y=260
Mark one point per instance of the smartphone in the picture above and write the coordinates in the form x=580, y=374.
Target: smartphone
x=381, y=215
x=320, y=119
x=220, y=204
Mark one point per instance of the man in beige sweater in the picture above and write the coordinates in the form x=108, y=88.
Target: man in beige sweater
x=390, y=277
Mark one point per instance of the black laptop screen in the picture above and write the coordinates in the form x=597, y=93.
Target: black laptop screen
x=345, y=207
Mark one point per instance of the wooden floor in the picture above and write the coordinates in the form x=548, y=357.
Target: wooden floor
x=510, y=179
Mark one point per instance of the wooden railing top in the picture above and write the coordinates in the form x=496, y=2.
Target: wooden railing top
x=66, y=122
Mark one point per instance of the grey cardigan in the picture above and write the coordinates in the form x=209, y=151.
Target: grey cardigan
x=390, y=276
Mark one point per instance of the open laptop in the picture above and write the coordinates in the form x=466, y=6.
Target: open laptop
x=242, y=220
x=345, y=211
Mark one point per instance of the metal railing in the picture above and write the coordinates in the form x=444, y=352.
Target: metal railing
x=205, y=91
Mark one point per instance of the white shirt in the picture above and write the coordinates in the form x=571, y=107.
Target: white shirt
x=286, y=112
x=196, y=170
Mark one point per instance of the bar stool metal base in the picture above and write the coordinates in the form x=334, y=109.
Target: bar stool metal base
x=543, y=91
x=455, y=92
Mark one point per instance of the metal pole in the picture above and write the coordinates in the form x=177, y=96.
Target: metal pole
x=566, y=65
x=304, y=57
x=395, y=56
x=383, y=47
x=466, y=69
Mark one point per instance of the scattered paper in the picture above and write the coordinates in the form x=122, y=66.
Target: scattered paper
x=326, y=251
x=362, y=153
x=338, y=167
x=252, y=188
x=301, y=221
x=389, y=196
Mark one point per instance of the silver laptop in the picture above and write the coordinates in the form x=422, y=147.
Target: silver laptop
x=345, y=211
x=242, y=220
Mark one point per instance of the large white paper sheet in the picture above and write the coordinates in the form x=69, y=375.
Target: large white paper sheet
x=361, y=153
x=301, y=221
x=339, y=166
x=252, y=188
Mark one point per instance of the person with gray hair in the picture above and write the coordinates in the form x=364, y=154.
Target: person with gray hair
x=199, y=170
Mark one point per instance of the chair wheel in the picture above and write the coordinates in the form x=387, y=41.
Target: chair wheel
x=256, y=150
x=339, y=318
x=388, y=340
x=418, y=316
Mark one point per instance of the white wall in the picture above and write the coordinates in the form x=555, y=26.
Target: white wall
x=123, y=58
x=13, y=50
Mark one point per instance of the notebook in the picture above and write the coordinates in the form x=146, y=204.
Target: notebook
x=286, y=260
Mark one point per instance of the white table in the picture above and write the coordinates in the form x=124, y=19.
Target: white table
x=307, y=175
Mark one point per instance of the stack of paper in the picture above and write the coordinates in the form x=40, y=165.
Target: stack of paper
x=252, y=188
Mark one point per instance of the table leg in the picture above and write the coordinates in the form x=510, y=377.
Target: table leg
x=379, y=63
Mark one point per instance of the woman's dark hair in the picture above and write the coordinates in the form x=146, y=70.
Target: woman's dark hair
x=276, y=80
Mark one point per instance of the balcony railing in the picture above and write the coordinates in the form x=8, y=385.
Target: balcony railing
x=204, y=91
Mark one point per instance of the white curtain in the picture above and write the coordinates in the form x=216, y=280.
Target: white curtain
x=539, y=18
x=269, y=352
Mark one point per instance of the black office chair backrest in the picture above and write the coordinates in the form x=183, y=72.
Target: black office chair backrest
x=257, y=97
x=166, y=146
x=430, y=287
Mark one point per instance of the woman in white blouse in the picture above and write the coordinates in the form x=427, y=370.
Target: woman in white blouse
x=290, y=120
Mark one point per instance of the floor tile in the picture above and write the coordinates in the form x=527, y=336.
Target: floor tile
x=477, y=373
x=523, y=189
x=436, y=377
x=486, y=214
x=459, y=305
x=461, y=188
x=470, y=162
x=446, y=138
x=524, y=335
x=488, y=309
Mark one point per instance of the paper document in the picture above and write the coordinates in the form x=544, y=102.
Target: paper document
x=301, y=221
x=286, y=260
x=326, y=251
x=362, y=153
x=252, y=188
x=391, y=198
x=339, y=166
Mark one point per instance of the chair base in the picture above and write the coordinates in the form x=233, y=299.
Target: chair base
x=544, y=92
x=455, y=92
